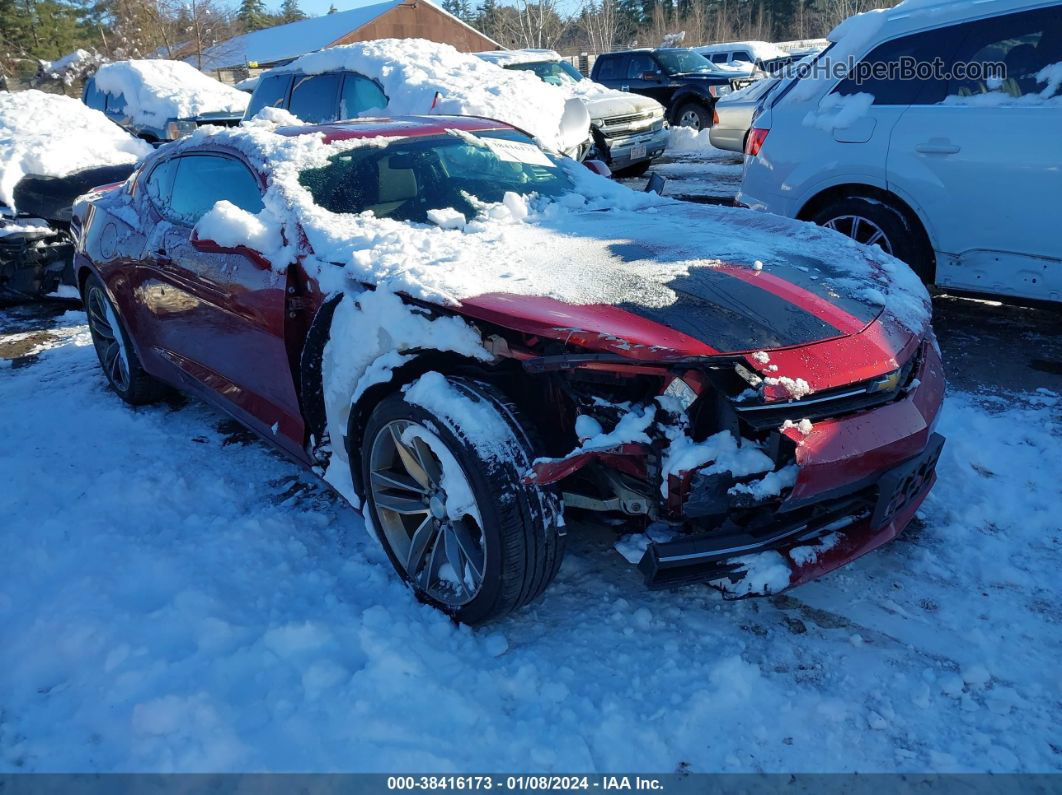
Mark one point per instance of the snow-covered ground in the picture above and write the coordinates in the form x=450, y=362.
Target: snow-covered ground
x=176, y=596
x=695, y=170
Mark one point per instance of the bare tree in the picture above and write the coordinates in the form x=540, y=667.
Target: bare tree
x=536, y=24
x=601, y=23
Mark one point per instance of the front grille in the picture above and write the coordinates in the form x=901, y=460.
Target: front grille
x=636, y=119
x=830, y=404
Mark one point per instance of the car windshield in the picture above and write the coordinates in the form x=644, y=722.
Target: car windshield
x=678, y=62
x=407, y=179
x=557, y=73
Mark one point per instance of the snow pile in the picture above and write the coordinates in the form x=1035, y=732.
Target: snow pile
x=157, y=91
x=71, y=67
x=228, y=225
x=421, y=77
x=722, y=452
x=684, y=140
x=49, y=135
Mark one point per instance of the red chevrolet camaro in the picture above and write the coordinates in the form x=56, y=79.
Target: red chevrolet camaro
x=476, y=340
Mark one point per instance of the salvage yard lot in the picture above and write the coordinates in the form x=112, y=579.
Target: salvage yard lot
x=176, y=596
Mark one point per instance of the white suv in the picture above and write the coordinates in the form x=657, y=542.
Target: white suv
x=958, y=172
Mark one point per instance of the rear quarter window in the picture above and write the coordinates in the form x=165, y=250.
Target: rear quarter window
x=609, y=67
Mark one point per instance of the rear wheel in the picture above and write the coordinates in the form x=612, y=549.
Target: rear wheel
x=452, y=513
x=117, y=357
x=875, y=223
x=693, y=115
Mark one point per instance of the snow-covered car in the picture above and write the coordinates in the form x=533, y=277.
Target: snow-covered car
x=478, y=340
x=396, y=77
x=52, y=149
x=160, y=100
x=957, y=174
x=744, y=55
x=629, y=130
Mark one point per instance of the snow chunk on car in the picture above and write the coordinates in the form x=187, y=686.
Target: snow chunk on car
x=157, y=90
x=48, y=135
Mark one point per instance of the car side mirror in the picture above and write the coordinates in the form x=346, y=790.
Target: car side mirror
x=208, y=246
x=599, y=167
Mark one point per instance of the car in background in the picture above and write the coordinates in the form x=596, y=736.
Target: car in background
x=629, y=130
x=681, y=80
x=479, y=418
x=734, y=114
x=955, y=175
x=745, y=55
x=397, y=77
x=159, y=100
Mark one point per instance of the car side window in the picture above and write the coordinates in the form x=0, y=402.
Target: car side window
x=889, y=86
x=610, y=67
x=159, y=183
x=639, y=65
x=1025, y=45
x=313, y=97
x=203, y=180
x=360, y=94
x=720, y=57
x=271, y=92
x=116, y=103
x=94, y=98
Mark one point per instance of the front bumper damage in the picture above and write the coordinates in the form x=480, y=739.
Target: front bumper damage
x=860, y=478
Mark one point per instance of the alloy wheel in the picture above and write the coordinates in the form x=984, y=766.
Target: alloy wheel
x=427, y=512
x=107, y=338
x=862, y=230
x=690, y=119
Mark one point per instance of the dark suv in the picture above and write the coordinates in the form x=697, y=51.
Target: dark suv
x=683, y=81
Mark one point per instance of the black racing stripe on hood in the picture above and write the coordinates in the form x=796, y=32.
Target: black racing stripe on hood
x=731, y=315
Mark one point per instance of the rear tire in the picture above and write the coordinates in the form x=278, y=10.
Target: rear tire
x=504, y=547
x=118, y=360
x=875, y=222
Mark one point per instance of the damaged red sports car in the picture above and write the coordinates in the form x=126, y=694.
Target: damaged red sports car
x=476, y=339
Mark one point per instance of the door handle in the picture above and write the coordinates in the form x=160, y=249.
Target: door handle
x=625, y=87
x=938, y=147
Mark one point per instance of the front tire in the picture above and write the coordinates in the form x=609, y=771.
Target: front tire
x=693, y=115
x=876, y=223
x=118, y=360
x=451, y=509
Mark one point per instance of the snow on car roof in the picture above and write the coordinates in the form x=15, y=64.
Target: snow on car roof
x=508, y=57
x=763, y=50
x=157, y=90
x=424, y=77
x=49, y=135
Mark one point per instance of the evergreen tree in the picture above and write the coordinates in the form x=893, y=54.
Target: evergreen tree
x=462, y=9
x=290, y=11
x=253, y=15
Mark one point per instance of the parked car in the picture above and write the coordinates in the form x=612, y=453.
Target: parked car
x=734, y=113
x=470, y=384
x=629, y=130
x=957, y=177
x=394, y=77
x=685, y=83
x=52, y=149
x=743, y=54
x=159, y=100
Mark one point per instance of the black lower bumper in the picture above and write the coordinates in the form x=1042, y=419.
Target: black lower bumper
x=714, y=555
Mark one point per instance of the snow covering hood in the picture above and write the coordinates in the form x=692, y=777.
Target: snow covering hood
x=421, y=77
x=157, y=91
x=49, y=135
